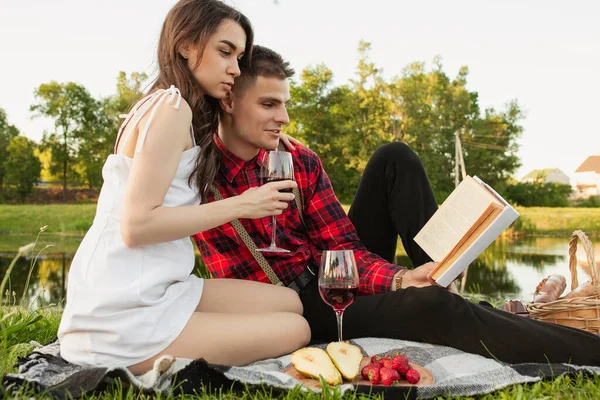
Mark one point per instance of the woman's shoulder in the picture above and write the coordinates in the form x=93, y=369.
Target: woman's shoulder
x=172, y=102
x=167, y=106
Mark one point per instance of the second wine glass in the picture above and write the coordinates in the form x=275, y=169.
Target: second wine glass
x=338, y=282
x=276, y=166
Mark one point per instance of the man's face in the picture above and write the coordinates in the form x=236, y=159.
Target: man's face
x=259, y=113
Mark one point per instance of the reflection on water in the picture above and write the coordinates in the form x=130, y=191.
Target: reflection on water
x=507, y=268
x=48, y=277
x=514, y=268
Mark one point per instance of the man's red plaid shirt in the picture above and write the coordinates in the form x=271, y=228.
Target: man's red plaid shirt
x=329, y=228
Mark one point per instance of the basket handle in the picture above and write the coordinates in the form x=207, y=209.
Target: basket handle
x=589, y=253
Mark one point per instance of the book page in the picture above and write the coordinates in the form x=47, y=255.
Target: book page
x=489, y=217
x=455, y=217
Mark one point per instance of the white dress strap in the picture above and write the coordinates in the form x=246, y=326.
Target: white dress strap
x=128, y=118
x=152, y=101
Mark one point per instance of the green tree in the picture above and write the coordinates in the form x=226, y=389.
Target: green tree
x=129, y=90
x=423, y=108
x=491, y=145
x=97, y=141
x=75, y=112
x=317, y=113
x=431, y=107
x=7, y=132
x=373, y=111
x=347, y=123
x=22, y=166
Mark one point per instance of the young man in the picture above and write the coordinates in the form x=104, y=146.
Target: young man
x=394, y=198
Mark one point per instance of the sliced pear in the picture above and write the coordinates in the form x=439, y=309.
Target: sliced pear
x=346, y=358
x=313, y=362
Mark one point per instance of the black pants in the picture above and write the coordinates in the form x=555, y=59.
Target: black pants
x=395, y=198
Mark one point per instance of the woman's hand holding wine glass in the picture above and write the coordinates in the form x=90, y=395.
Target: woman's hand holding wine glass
x=267, y=200
x=276, y=167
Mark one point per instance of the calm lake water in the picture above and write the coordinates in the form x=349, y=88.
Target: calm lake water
x=510, y=269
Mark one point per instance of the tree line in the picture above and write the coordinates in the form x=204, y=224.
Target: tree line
x=344, y=124
x=82, y=137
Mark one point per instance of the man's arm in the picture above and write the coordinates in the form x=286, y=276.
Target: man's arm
x=329, y=228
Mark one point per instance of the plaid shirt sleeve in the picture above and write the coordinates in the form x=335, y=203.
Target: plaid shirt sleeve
x=329, y=228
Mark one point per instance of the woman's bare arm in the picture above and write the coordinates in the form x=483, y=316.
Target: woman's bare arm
x=145, y=220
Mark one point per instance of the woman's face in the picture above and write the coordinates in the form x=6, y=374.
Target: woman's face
x=218, y=67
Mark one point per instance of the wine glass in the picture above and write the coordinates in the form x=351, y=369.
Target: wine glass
x=276, y=166
x=338, y=282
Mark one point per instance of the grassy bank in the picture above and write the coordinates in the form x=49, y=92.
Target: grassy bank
x=558, y=222
x=76, y=219
x=64, y=219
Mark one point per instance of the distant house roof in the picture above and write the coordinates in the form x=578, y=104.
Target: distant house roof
x=592, y=163
x=538, y=174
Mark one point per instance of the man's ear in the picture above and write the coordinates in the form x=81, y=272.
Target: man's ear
x=227, y=102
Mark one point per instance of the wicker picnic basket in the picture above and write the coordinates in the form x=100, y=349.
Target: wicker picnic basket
x=577, y=312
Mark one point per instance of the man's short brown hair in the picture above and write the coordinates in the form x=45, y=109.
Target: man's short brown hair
x=264, y=62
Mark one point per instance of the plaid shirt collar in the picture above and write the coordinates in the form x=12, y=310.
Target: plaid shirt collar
x=232, y=164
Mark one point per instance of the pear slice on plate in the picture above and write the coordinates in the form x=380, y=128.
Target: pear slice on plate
x=346, y=357
x=313, y=362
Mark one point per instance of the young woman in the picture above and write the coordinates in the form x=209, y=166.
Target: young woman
x=131, y=297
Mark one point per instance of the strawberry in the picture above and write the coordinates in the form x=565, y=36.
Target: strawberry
x=375, y=360
x=367, y=369
x=388, y=376
x=381, y=359
x=400, y=363
x=413, y=376
x=374, y=376
x=386, y=363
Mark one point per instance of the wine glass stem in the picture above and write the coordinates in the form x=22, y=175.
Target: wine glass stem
x=273, y=245
x=339, y=315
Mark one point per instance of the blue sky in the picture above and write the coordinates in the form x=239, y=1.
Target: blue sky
x=545, y=54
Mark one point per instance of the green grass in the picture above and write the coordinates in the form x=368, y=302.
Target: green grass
x=11, y=347
x=75, y=219
x=61, y=243
x=17, y=344
x=65, y=219
x=559, y=222
x=564, y=387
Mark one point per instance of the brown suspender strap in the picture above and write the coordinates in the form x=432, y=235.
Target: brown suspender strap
x=260, y=259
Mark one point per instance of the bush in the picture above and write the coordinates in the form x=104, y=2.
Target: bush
x=589, y=202
x=538, y=194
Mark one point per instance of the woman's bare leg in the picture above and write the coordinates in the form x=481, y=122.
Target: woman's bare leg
x=238, y=322
x=235, y=339
x=241, y=296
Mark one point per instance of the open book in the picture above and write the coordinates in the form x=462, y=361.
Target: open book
x=470, y=219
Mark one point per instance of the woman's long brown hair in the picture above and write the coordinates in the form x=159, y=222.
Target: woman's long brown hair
x=195, y=21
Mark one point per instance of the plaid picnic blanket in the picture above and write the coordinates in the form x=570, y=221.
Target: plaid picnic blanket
x=455, y=372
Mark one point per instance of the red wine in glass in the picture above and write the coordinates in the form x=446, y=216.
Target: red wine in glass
x=338, y=296
x=276, y=166
x=267, y=179
x=338, y=282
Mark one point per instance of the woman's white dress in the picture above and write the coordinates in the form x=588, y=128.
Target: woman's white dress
x=125, y=305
